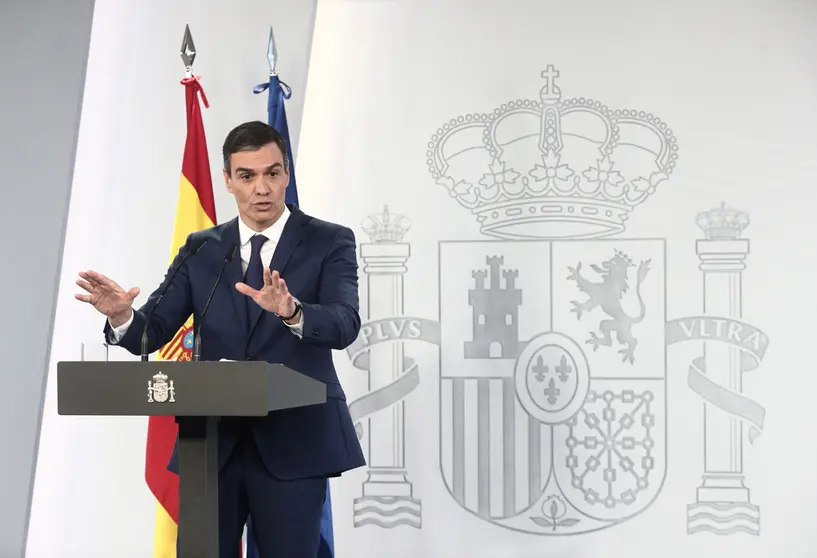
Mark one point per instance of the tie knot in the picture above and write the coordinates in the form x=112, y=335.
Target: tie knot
x=257, y=241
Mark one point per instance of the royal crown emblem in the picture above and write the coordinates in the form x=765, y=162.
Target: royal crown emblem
x=160, y=390
x=552, y=167
x=723, y=222
x=386, y=227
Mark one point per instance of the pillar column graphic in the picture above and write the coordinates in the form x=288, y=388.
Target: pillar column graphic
x=384, y=265
x=386, y=487
x=723, y=493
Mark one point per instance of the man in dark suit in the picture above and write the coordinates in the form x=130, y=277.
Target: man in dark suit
x=276, y=467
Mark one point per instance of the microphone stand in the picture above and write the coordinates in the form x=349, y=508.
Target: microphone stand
x=197, y=327
x=192, y=252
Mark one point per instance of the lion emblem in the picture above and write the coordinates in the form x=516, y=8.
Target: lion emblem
x=607, y=295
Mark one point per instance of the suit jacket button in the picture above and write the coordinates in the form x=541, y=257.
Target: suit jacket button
x=316, y=333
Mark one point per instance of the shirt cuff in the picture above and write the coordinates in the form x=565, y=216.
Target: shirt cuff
x=116, y=333
x=297, y=329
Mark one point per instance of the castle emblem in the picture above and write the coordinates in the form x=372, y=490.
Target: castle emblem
x=495, y=313
x=552, y=331
x=160, y=390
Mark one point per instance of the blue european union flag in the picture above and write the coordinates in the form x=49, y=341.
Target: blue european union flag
x=278, y=91
x=277, y=118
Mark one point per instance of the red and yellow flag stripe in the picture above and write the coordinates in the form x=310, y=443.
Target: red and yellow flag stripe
x=195, y=211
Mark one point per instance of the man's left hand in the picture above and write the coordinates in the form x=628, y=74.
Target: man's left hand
x=273, y=296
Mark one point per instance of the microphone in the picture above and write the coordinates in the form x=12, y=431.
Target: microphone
x=193, y=251
x=197, y=342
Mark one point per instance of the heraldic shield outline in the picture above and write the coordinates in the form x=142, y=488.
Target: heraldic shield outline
x=545, y=427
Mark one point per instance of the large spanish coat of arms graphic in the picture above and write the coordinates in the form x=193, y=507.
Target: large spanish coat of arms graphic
x=552, y=330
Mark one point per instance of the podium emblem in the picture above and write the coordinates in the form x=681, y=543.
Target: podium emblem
x=160, y=390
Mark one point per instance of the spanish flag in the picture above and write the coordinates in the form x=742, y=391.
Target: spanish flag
x=195, y=211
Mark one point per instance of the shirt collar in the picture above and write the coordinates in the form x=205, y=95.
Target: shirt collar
x=273, y=232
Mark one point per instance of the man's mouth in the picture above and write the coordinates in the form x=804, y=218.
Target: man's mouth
x=263, y=206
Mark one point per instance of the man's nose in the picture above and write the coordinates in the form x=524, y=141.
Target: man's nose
x=261, y=187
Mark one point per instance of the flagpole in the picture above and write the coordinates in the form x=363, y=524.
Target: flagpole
x=195, y=211
x=277, y=92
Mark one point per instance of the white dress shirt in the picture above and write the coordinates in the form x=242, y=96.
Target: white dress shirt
x=245, y=233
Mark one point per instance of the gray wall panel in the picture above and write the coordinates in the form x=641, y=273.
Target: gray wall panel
x=43, y=56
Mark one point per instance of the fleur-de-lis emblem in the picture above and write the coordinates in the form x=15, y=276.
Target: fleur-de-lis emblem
x=540, y=369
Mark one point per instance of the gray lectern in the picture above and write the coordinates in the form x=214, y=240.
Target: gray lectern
x=197, y=394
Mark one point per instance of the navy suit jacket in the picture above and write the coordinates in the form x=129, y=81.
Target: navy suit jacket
x=317, y=260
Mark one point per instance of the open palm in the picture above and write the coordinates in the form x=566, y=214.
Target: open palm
x=106, y=295
x=274, y=296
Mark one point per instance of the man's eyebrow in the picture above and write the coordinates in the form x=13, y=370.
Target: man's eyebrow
x=251, y=171
x=268, y=167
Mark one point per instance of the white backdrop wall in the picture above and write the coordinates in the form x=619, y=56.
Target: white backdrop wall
x=90, y=499
x=734, y=86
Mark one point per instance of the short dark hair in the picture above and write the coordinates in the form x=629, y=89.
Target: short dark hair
x=251, y=136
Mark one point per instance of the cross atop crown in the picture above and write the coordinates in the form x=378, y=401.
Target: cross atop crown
x=550, y=92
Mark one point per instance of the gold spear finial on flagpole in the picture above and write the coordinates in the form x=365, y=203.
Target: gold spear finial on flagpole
x=188, y=52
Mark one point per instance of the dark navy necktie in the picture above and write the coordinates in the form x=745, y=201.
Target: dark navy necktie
x=255, y=273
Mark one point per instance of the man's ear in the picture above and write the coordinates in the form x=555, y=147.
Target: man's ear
x=227, y=180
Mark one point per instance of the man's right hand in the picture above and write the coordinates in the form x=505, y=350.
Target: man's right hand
x=107, y=297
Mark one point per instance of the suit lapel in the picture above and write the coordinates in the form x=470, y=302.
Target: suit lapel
x=234, y=274
x=290, y=238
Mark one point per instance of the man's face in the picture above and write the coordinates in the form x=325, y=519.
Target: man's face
x=258, y=180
